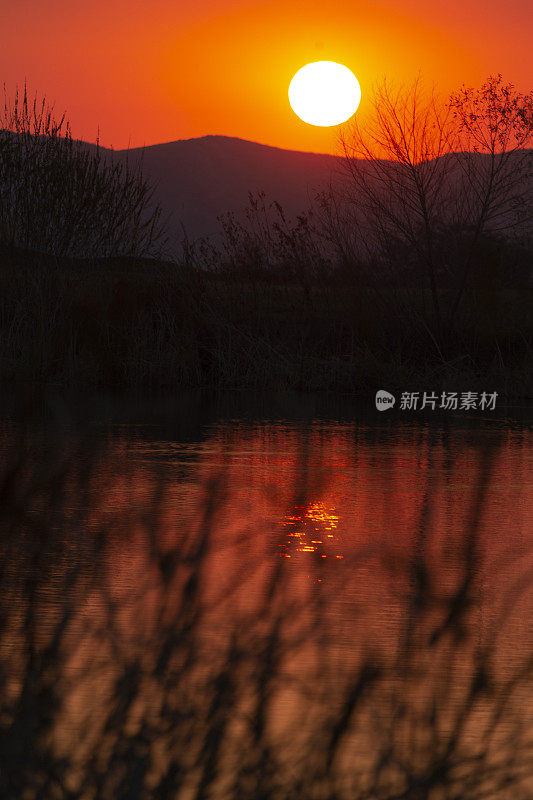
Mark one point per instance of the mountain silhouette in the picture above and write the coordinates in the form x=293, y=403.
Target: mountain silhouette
x=197, y=180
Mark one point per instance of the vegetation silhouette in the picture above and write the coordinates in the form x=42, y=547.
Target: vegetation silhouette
x=415, y=270
x=422, y=167
x=59, y=197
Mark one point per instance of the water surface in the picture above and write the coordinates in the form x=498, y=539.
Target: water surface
x=211, y=601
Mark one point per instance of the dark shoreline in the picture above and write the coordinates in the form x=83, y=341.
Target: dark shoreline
x=145, y=326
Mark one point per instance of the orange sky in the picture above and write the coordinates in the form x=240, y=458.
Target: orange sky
x=148, y=71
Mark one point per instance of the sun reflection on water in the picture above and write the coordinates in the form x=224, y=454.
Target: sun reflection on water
x=312, y=528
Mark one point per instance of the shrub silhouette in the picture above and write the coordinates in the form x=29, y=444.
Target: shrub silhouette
x=64, y=198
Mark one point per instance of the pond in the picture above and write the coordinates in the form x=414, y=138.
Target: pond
x=284, y=597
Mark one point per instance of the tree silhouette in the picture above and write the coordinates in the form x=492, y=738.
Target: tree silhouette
x=422, y=168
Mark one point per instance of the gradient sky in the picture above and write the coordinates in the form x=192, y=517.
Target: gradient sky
x=149, y=71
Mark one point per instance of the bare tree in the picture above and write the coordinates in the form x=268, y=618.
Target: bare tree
x=421, y=167
x=397, y=172
x=493, y=128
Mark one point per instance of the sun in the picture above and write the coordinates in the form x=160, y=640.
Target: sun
x=324, y=93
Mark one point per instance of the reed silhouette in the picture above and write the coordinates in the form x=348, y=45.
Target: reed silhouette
x=62, y=198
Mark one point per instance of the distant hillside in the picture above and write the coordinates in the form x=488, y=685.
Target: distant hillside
x=199, y=179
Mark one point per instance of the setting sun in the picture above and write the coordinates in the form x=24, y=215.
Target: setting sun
x=324, y=93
